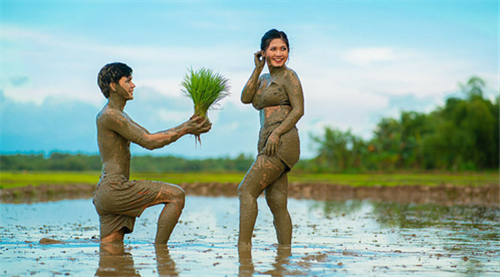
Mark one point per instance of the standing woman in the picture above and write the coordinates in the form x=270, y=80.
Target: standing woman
x=279, y=99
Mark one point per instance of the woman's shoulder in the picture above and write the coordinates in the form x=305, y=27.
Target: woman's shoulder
x=264, y=79
x=291, y=73
x=265, y=76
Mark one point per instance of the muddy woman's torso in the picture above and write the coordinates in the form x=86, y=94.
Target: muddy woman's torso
x=113, y=148
x=271, y=100
x=273, y=103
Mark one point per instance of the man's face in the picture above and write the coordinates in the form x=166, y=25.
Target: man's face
x=125, y=88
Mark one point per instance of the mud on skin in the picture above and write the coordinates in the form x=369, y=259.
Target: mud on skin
x=118, y=200
x=279, y=98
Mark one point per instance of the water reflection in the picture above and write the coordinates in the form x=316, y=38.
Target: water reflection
x=467, y=236
x=280, y=265
x=246, y=267
x=415, y=216
x=165, y=264
x=114, y=260
x=283, y=254
x=432, y=215
x=336, y=207
x=347, y=238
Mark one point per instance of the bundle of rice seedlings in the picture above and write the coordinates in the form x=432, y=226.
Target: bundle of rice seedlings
x=205, y=88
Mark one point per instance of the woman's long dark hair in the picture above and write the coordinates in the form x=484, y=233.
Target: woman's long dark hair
x=270, y=35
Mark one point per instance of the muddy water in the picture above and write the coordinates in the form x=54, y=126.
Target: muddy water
x=343, y=238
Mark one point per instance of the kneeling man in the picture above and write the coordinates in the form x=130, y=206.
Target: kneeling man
x=118, y=200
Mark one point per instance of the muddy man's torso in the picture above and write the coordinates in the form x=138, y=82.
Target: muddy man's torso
x=114, y=149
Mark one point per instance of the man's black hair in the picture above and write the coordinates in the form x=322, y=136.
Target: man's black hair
x=112, y=73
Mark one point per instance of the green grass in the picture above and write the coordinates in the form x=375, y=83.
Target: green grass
x=10, y=179
x=205, y=88
x=20, y=179
x=395, y=179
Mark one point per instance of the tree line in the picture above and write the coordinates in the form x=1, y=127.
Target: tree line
x=153, y=164
x=462, y=135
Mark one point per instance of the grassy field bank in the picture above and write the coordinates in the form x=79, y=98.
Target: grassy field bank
x=21, y=179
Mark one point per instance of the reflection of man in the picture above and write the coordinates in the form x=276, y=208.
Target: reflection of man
x=117, y=199
x=115, y=261
x=164, y=263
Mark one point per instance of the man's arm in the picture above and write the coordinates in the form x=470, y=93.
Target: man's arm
x=144, y=129
x=132, y=131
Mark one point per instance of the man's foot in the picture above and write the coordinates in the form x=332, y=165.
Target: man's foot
x=116, y=236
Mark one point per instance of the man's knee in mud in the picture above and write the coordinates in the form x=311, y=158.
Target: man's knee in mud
x=175, y=194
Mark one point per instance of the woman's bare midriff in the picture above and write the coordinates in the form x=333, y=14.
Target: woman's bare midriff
x=273, y=114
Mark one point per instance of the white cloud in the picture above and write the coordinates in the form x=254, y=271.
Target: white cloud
x=343, y=87
x=60, y=64
x=13, y=34
x=367, y=56
x=37, y=95
x=166, y=86
x=175, y=116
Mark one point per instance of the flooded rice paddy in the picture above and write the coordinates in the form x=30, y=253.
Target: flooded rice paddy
x=341, y=238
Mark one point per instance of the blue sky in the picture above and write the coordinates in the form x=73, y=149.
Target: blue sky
x=358, y=61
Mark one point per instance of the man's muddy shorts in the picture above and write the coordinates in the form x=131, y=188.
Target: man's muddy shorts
x=119, y=201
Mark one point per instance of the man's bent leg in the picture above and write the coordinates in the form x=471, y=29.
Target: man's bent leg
x=130, y=199
x=174, y=198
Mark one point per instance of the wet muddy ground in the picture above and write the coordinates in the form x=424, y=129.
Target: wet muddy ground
x=330, y=237
x=446, y=194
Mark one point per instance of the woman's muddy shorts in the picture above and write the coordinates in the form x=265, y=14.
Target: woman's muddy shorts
x=119, y=201
x=288, y=149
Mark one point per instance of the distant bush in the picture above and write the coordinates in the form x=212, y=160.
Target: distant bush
x=154, y=164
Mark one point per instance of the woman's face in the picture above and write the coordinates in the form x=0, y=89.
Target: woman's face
x=276, y=54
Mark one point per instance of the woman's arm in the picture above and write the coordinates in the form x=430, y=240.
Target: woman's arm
x=294, y=90
x=254, y=82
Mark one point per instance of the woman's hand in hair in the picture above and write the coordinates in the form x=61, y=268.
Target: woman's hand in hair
x=260, y=61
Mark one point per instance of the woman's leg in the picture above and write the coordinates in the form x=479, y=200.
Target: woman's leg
x=261, y=174
x=276, y=197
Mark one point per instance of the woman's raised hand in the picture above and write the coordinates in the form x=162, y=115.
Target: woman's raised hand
x=259, y=60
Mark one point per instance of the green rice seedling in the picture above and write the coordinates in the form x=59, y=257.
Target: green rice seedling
x=205, y=88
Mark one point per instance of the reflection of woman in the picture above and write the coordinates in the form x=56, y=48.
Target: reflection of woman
x=278, y=96
x=282, y=261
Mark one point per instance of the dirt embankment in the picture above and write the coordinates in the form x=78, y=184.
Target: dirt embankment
x=446, y=194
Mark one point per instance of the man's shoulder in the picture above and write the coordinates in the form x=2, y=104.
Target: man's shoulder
x=107, y=114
